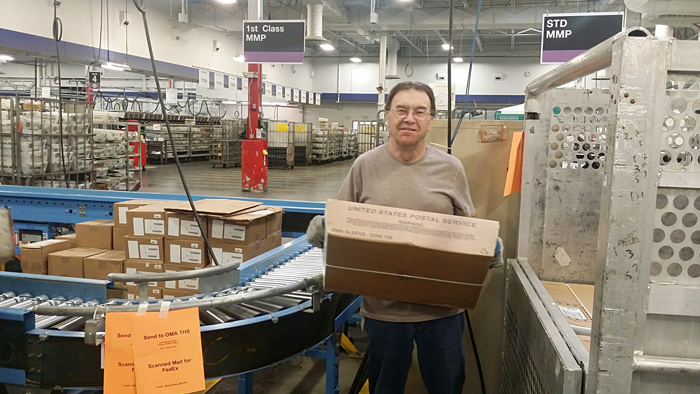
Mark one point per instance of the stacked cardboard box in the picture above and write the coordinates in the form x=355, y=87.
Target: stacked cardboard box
x=237, y=231
x=94, y=234
x=144, y=241
x=35, y=256
x=70, y=262
x=244, y=235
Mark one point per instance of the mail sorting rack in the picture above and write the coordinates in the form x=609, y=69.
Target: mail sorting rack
x=326, y=145
x=225, y=147
x=280, y=144
x=117, y=152
x=302, y=144
x=297, y=310
x=629, y=226
x=32, y=143
x=190, y=142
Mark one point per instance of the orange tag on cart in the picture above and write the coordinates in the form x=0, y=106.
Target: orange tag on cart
x=119, y=377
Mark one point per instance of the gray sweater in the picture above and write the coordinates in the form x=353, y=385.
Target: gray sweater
x=435, y=183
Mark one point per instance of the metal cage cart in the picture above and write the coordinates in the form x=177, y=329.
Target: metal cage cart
x=280, y=144
x=611, y=196
x=327, y=142
x=200, y=140
x=225, y=147
x=368, y=133
x=32, y=142
x=302, y=144
x=117, y=163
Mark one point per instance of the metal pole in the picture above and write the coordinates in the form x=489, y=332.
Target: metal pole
x=667, y=365
x=449, y=80
x=382, y=73
x=595, y=59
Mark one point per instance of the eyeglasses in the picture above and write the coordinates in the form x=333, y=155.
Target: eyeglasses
x=402, y=113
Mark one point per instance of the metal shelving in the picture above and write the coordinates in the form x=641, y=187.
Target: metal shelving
x=114, y=154
x=190, y=141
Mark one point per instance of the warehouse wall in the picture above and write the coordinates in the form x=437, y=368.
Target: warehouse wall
x=81, y=23
x=363, y=77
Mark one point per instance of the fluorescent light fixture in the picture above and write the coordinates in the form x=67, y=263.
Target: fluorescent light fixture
x=327, y=47
x=446, y=46
x=115, y=66
x=229, y=102
x=6, y=58
x=355, y=59
x=458, y=59
x=239, y=58
x=227, y=1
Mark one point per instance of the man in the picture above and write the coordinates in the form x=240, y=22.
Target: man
x=407, y=173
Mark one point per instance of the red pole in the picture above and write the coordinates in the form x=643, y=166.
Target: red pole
x=254, y=100
x=254, y=149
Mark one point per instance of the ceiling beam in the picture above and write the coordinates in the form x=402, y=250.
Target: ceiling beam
x=348, y=41
x=408, y=40
x=478, y=41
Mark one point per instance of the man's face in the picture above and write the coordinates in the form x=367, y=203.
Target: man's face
x=409, y=117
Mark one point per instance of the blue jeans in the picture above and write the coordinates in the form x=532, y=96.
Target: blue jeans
x=440, y=354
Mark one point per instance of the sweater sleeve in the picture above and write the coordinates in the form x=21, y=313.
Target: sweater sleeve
x=351, y=190
x=461, y=199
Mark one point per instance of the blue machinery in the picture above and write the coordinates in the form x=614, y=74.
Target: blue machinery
x=35, y=357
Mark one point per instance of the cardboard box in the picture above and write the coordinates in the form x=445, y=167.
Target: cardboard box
x=214, y=206
x=184, y=226
x=186, y=253
x=35, y=256
x=117, y=293
x=94, y=234
x=148, y=219
x=69, y=262
x=69, y=237
x=119, y=238
x=184, y=284
x=569, y=303
x=121, y=208
x=407, y=255
x=246, y=227
x=174, y=293
x=144, y=248
x=143, y=266
x=154, y=293
x=228, y=253
x=103, y=264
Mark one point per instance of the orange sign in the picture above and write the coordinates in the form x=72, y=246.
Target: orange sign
x=168, y=352
x=119, y=377
x=514, y=178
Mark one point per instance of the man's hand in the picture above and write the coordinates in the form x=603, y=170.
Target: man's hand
x=497, y=259
x=316, y=232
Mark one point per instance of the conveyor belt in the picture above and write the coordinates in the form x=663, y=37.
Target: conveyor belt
x=236, y=338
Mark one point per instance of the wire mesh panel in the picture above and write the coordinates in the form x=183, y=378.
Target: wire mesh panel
x=8, y=137
x=366, y=136
x=536, y=359
x=46, y=154
x=302, y=144
x=280, y=144
x=225, y=147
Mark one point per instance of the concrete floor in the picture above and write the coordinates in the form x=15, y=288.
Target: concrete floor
x=301, y=375
x=307, y=183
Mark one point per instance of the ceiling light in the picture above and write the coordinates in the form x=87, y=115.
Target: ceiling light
x=115, y=66
x=458, y=59
x=355, y=59
x=327, y=47
x=239, y=58
x=6, y=58
x=227, y=1
x=229, y=102
x=446, y=46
